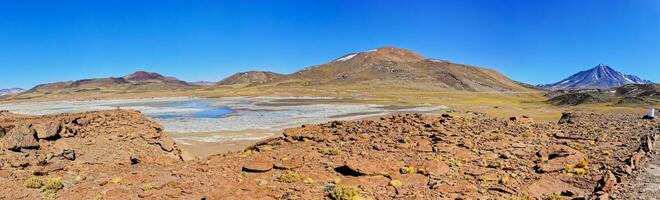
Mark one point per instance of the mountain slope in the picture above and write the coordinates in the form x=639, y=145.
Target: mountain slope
x=139, y=80
x=391, y=66
x=251, y=77
x=11, y=91
x=599, y=77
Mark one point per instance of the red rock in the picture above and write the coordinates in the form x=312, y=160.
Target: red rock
x=292, y=163
x=47, y=130
x=258, y=166
x=435, y=167
x=548, y=185
x=20, y=137
x=166, y=143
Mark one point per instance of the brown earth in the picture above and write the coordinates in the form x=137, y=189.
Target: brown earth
x=250, y=78
x=121, y=155
x=391, y=66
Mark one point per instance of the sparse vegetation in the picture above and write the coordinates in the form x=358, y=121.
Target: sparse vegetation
x=52, y=184
x=330, y=151
x=33, y=182
x=308, y=181
x=115, y=180
x=289, y=177
x=408, y=170
x=146, y=186
x=395, y=183
x=346, y=193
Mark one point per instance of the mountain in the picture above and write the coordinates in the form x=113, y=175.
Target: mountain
x=11, y=91
x=397, y=67
x=249, y=78
x=599, y=77
x=139, y=80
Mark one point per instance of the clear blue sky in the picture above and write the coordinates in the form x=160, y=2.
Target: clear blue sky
x=527, y=40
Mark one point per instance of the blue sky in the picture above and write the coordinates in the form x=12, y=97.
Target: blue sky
x=527, y=40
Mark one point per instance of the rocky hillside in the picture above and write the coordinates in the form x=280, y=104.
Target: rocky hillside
x=632, y=94
x=599, y=77
x=250, y=78
x=121, y=155
x=11, y=91
x=139, y=80
x=391, y=66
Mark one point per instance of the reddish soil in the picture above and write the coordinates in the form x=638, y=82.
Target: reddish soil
x=122, y=155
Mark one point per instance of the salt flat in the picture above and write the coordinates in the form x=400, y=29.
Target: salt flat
x=224, y=119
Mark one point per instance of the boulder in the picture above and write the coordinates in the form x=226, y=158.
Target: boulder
x=48, y=129
x=567, y=118
x=435, y=168
x=558, y=157
x=291, y=163
x=607, y=182
x=549, y=185
x=258, y=166
x=364, y=167
x=166, y=143
x=20, y=137
x=61, y=148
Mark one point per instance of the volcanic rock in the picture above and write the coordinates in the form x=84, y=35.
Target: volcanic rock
x=20, y=137
x=258, y=166
x=47, y=130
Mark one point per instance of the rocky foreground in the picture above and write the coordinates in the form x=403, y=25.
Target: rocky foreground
x=121, y=155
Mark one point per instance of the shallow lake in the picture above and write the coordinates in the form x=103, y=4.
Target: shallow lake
x=193, y=120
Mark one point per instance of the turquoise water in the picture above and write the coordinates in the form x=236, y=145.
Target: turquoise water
x=205, y=109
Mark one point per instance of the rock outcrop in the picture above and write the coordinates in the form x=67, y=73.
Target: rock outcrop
x=121, y=155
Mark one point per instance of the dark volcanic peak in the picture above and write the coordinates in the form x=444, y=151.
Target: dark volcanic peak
x=599, y=77
x=143, y=76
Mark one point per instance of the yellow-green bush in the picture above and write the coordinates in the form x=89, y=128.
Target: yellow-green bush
x=289, y=177
x=33, y=182
x=52, y=184
x=330, y=151
x=346, y=193
x=408, y=170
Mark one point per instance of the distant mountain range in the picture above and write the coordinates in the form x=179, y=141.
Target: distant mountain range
x=11, y=91
x=383, y=67
x=387, y=66
x=599, y=77
x=137, y=81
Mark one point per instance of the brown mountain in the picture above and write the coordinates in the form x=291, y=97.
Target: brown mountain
x=139, y=80
x=250, y=78
x=391, y=66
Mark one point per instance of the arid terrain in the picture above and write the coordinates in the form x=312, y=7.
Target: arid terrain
x=119, y=154
x=413, y=128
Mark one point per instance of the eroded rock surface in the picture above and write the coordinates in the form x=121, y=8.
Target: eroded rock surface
x=120, y=154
